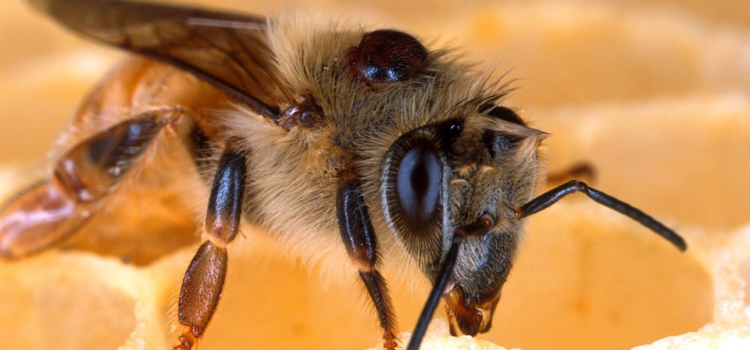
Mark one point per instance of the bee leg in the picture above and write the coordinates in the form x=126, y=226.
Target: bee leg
x=361, y=245
x=38, y=218
x=204, y=278
x=52, y=210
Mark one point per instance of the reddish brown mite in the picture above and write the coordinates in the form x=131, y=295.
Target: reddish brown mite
x=287, y=139
x=385, y=56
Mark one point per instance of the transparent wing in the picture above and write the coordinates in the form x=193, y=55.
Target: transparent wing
x=228, y=50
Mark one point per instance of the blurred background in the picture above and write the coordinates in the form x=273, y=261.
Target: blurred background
x=654, y=94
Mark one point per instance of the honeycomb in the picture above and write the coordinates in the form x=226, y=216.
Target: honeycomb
x=654, y=94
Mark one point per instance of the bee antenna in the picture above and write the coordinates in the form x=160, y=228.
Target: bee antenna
x=478, y=228
x=551, y=197
x=437, y=291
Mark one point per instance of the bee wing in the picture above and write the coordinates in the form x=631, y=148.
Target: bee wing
x=225, y=49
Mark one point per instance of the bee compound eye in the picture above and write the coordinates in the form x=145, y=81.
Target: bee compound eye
x=415, y=191
x=385, y=56
x=418, y=181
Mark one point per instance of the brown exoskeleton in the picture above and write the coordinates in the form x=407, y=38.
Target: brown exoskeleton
x=312, y=131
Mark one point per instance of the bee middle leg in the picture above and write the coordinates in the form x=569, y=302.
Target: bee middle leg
x=361, y=246
x=204, y=278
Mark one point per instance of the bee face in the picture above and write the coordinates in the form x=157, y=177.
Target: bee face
x=446, y=176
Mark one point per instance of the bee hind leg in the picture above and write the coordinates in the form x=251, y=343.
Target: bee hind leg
x=52, y=210
x=39, y=217
x=204, y=278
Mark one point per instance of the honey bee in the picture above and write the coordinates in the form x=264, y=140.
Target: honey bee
x=316, y=133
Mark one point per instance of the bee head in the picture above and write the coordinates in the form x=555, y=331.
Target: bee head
x=464, y=176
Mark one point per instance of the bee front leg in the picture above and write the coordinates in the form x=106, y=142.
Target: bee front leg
x=361, y=245
x=204, y=278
